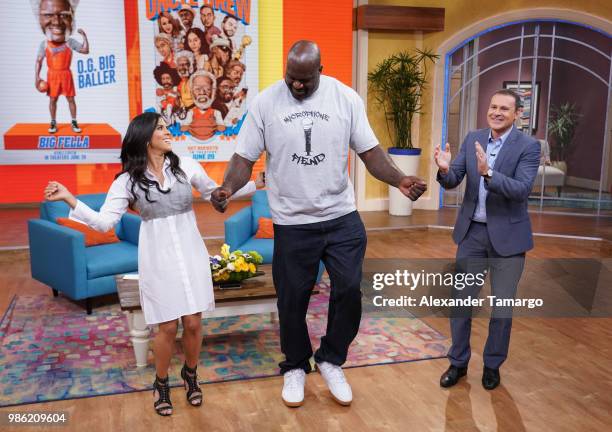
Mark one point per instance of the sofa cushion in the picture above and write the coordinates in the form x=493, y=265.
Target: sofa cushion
x=265, y=229
x=260, y=208
x=265, y=247
x=92, y=237
x=111, y=259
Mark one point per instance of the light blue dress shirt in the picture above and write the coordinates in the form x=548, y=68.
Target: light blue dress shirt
x=493, y=148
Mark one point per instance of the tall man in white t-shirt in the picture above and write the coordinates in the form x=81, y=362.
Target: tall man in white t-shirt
x=306, y=124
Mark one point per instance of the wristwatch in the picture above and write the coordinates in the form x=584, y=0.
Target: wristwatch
x=489, y=174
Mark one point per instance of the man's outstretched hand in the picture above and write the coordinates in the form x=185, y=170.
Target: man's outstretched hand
x=219, y=199
x=412, y=187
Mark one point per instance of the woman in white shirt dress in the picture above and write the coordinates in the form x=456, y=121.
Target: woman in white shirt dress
x=174, y=272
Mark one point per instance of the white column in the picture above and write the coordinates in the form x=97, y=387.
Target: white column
x=360, y=84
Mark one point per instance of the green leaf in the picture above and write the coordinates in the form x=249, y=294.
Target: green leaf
x=397, y=84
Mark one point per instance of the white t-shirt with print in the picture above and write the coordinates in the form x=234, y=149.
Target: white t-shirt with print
x=307, y=149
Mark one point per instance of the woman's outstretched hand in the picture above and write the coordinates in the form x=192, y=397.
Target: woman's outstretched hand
x=56, y=191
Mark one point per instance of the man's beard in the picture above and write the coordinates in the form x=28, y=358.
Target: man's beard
x=183, y=74
x=203, y=105
x=49, y=34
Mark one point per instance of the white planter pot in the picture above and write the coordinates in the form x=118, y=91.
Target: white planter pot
x=407, y=160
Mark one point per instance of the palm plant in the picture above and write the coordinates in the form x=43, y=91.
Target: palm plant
x=562, y=124
x=397, y=85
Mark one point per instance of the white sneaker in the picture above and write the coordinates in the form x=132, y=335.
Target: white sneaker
x=293, y=388
x=336, y=382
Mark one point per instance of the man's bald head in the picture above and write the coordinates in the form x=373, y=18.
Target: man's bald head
x=303, y=70
x=305, y=52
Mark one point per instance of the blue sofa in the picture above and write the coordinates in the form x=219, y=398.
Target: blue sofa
x=59, y=258
x=240, y=229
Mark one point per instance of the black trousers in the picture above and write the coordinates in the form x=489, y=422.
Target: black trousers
x=340, y=243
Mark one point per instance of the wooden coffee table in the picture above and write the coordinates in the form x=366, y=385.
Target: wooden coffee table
x=256, y=296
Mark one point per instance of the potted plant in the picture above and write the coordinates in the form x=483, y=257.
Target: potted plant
x=397, y=85
x=562, y=124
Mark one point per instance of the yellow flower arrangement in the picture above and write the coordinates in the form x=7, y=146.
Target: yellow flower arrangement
x=234, y=266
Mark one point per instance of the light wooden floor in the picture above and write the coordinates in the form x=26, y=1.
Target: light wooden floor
x=558, y=376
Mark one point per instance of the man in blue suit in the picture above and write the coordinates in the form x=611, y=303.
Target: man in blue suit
x=493, y=230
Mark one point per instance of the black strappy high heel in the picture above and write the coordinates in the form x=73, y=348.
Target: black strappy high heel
x=190, y=381
x=163, y=405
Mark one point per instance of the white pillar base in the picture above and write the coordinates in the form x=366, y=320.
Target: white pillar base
x=139, y=332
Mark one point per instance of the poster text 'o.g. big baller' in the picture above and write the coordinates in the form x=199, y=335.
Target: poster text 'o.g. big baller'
x=73, y=109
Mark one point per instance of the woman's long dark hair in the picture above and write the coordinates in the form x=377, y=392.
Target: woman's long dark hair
x=134, y=155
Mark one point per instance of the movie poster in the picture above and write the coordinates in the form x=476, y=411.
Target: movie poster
x=64, y=82
x=199, y=65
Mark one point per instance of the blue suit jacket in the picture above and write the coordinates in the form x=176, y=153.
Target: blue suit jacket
x=514, y=173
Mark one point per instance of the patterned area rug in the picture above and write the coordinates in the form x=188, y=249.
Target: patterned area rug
x=52, y=350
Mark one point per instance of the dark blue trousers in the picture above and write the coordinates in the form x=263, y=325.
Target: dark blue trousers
x=475, y=254
x=340, y=243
